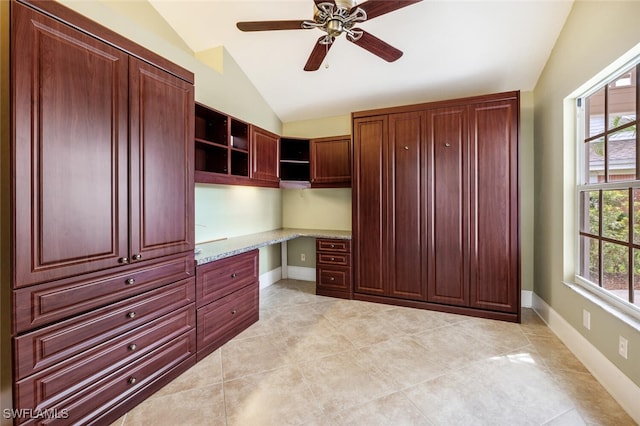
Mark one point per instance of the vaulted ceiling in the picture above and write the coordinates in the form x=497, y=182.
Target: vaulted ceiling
x=451, y=49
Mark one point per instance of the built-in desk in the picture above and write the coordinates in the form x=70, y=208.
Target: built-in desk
x=208, y=252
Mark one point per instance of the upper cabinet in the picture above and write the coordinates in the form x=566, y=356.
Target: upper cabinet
x=331, y=162
x=265, y=156
x=103, y=164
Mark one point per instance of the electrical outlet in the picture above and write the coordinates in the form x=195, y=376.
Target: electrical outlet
x=623, y=347
x=303, y=257
x=586, y=319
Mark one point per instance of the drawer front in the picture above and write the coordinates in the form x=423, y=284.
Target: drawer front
x=221, y=320
x=62, y=380
x=42, y=304
x=334, y=259
x=343, y=246
x=47, y=346
x=222, y=277
x=96, y=398
x=334, y=278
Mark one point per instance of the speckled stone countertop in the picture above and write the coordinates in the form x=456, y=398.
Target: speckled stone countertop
x=231, y=246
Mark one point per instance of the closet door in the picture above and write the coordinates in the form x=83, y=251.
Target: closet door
x=369, y=257
x=70, y=112
x=494, y=280
x=406, y=236
x=448, y=206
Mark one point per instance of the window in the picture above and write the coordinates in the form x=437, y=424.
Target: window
x=609, y=186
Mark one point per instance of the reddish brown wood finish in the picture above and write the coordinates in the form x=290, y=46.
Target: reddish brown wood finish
x=222, y=277
x=448, y=216
x=63, y=340
x=42, y=304
x=70, y=114
x=333, y=268
x=494, y=245
x=370, y=136
x=265, y=156
x=220, y=321
x=459, y=196
x=331, y=162
x=405, y=236
x=161, y=185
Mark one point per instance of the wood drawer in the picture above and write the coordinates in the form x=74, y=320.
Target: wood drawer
x=94, y=399
x=332, y=245
x=333, y=259
x=337, y=278
x=42, y=304
x=60, y=381
x=47, y=346
x=220, y=321
x=222, y=277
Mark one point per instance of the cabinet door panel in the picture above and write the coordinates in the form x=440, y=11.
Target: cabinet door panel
x=265, y=155
x=494, y=206
x=70, y=111
x=161, y=120
x=405, y=207
x=331, y=161
x=370, y=138
x=447, y=140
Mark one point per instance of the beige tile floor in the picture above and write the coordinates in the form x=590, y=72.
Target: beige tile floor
x=314, y=360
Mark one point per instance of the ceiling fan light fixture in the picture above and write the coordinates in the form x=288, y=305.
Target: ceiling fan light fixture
x=334, y=27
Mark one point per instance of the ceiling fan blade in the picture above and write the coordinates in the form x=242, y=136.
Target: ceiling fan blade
x=269, y=25
x=318, y=54
x=376, y=46
x=375, y=8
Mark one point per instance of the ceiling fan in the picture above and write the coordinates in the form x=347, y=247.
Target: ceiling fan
x=335, y=17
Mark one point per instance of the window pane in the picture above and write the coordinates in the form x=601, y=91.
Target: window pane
x=636, y=216
x=595, y=114
x=589, y=212
x=589, y=263
x=622, y=99
x=615, y=214
x=594, y=161
x=615, y=265
x=621, y=149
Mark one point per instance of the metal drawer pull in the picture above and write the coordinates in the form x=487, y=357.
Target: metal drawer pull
x=123, y=260
x=234, y=275
x=133, y=347
x=333, y=246
x=131, y=314
x=233, y=312
x=136, y=257
x=333, y=258
x=332, y=279
x=131, y=281
x=132, y=380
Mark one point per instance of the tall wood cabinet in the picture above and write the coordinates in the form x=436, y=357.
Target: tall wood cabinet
x=103, y=274
x=436, y=206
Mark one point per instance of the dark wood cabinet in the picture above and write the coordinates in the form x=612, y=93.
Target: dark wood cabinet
x=436, y=206
x=103, y=170
x=227, y=299
x=333, y=268
x=265, y=156
x=331, y=162
x=103, y=298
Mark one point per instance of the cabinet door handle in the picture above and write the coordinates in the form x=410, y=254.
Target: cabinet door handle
x=333, y=246
x=234, y=312
x=131, y=281
x=133, y=347
x=333, y=258
x=234, y=275
x=123, y=260
x=132, y=380
x=131, y=314
x=136, y=257
x=332, y=278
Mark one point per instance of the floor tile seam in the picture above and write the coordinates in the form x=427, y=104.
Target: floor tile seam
x=573, y=407
x=255, y=373
x=425, y=415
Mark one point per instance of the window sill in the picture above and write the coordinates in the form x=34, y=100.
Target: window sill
x=626, y=314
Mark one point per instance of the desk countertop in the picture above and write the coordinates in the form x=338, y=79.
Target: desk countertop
x=208, y=252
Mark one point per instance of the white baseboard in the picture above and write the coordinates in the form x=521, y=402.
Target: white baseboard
x=526, y=298
x=301, y=273
x=623, y=390
x=271, y=277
